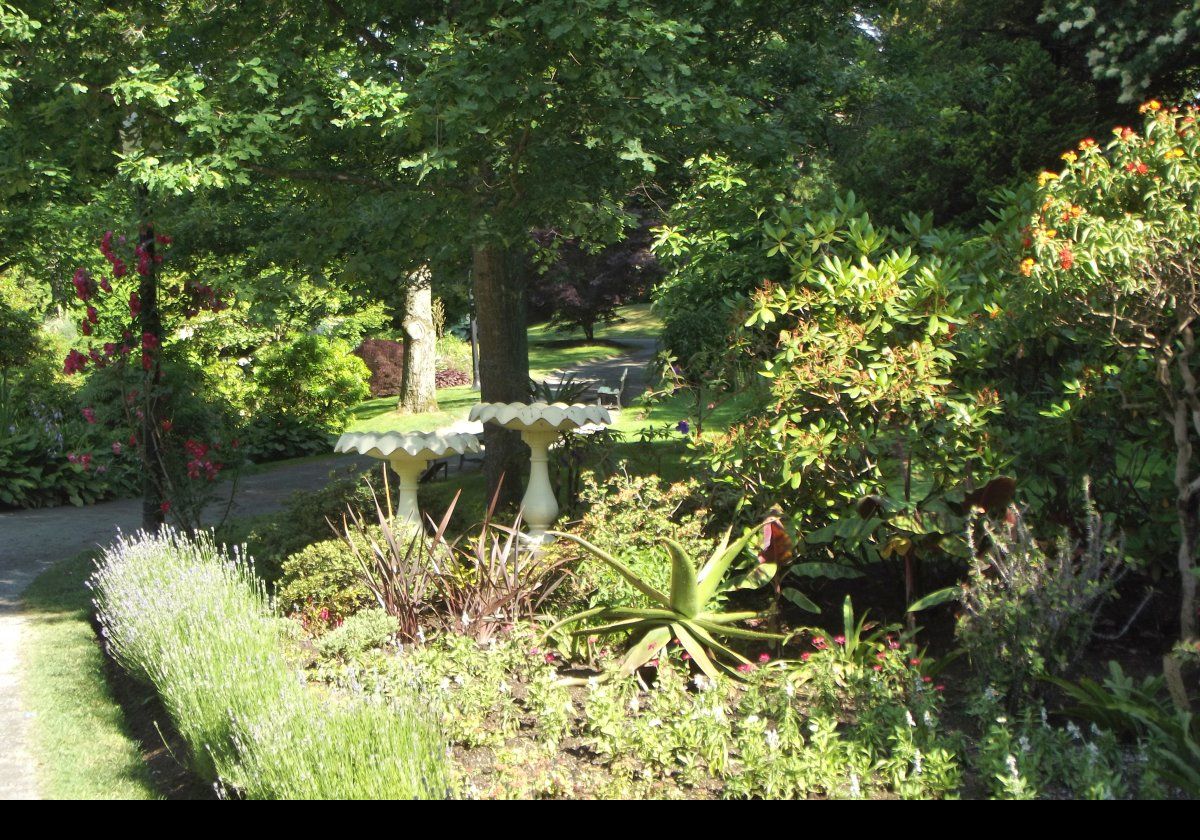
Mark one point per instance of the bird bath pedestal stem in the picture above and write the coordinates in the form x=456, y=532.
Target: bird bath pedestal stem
x=409, y=471
x=540, y=505
x=540, y=425
x=408, y=454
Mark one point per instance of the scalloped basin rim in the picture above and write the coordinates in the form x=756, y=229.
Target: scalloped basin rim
x=540, y=416
x=425, y=445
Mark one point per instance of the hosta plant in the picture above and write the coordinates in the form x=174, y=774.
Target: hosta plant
x=689, y=611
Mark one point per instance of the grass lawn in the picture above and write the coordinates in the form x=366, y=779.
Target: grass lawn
x=637, y=321
x=548, y=351
x=380, y=415
x=80, y=734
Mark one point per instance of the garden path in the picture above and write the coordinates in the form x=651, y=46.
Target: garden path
x=31, y=540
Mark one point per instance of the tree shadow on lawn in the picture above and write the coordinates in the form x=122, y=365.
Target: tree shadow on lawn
x=98, y=732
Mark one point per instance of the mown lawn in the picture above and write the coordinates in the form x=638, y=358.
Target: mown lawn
x=83, y=746
x=549, y=351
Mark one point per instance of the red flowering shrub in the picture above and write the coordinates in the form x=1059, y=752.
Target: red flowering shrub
x=385, y=359
x=452, y=378
x=137, y=397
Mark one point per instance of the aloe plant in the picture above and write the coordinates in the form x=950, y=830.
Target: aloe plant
x=689, y=612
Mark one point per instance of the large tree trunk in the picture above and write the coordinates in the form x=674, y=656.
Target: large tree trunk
x=503, y=365
x=418, y=382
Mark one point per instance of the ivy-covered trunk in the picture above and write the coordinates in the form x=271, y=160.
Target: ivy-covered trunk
x=150, y=322
x=503, y=364
x=418, y=382
x=1185, y=421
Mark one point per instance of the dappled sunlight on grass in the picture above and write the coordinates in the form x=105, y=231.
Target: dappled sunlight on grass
x=380, y=415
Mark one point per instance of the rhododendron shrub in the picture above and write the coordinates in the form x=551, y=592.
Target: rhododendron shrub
x=385, y=359
x=139, y=395
x=1104, y=257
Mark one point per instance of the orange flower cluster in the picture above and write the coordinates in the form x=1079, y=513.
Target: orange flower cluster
x=1066, y=258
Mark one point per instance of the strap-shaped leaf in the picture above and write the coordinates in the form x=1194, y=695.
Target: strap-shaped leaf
x=623, y=570
x=800, y=599
x=702, y=633
x=696, y=651
x=715, y=569
x=940, y=596
x=727, y=617
x=685, y=593
x=737, y=632
x=571, y=619
x=645, y=649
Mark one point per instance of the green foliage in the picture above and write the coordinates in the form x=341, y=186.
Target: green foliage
x=951, y=101
x=276, y=437
x=323, y=583
x=857, y=343
x=1029, y=613
x=624, y=516
x=359, y=633
x=193, y=621
x=1097, y=276
x=304, y=520
x=1169, y=735
x=688, y=610
x=453, y=353
x=311, y=379
x=1026, y=757
x=1144, y=47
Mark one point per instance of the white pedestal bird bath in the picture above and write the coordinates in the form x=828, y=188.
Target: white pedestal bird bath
x=540, y=425
x=408, y=453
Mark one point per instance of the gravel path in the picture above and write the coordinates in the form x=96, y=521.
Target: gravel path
x=32, y=540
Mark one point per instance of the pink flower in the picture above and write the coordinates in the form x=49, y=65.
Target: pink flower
x=74, y=363
x=839, y=640
x=85, y=287
x=135, y=304
x=116, y=447
x=745, y=668
x=89, y=415
x=764, y=658
x=819, y=642
x=804, y=657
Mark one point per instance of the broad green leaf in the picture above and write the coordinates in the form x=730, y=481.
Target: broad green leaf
x=940, y=596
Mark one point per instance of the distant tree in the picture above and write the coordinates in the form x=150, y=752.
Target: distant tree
x=1144, y=46
x=582, y=288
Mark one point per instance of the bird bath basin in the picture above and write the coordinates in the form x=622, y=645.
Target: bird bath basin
x=540, y=425
x=408, y=453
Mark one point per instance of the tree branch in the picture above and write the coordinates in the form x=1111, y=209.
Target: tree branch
x=323, y=176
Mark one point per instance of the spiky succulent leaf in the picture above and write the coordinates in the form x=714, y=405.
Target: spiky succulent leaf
x=714, y=570
x=645, y=649
x=685, y=593
x=621, y=569
x=737, y=632
x=696, y=650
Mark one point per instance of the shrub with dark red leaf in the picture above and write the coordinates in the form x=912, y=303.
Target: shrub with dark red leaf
x=452, y=377
x=385, y=359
